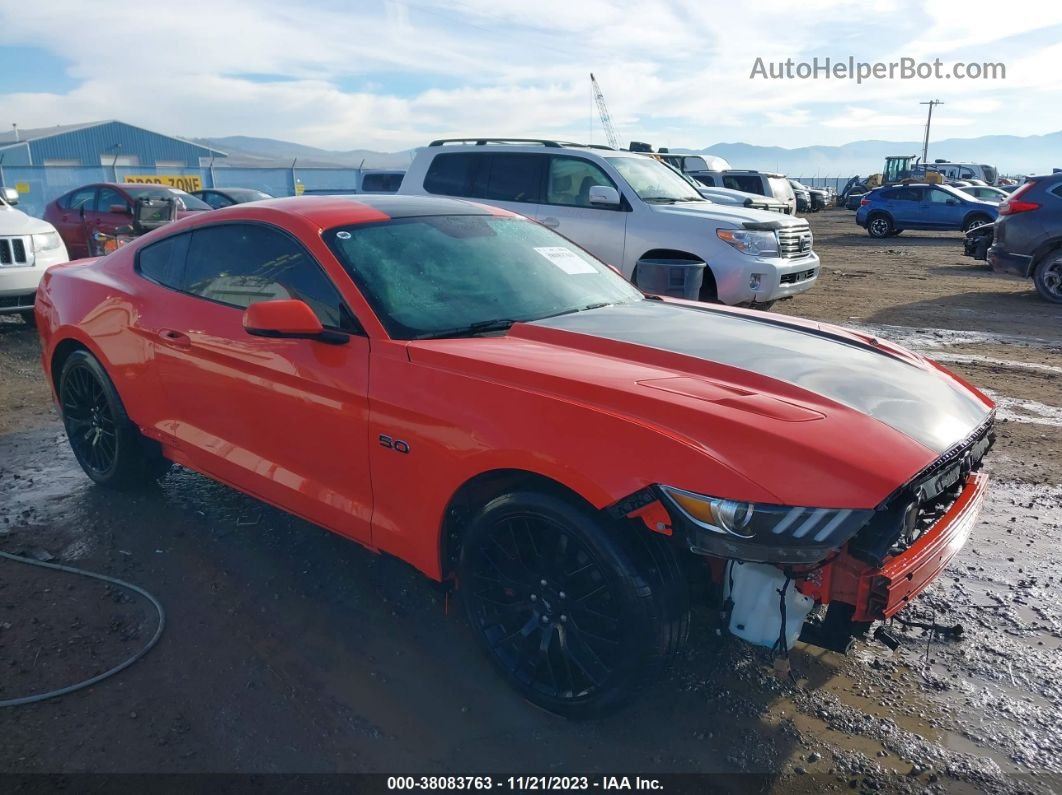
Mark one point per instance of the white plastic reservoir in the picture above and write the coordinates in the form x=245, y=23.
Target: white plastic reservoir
x=757, y=614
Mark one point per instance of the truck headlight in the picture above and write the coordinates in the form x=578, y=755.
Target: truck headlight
x=757, y=243
x=760, y=532
x=47, y=241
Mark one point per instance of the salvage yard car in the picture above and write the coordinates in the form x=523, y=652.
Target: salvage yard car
x=889, y=210
x=627, y=208
x=104, y=208
x=466, y=390
x=27, y=247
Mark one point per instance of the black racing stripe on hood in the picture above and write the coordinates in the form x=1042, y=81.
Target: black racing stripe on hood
x=921, y=403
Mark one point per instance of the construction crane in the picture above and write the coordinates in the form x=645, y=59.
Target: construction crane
x=602, y=110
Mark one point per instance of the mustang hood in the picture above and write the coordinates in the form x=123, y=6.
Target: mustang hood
x=905, y=393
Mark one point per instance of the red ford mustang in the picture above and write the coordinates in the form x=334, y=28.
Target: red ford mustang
x=474, y=394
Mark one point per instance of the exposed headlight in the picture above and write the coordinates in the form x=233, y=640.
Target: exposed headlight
x=761, y=532
x=757, y=243
x=47, y=241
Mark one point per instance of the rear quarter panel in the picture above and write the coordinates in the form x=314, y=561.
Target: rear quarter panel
x=88, y=303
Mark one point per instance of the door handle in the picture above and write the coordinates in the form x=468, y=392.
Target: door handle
x=175, y=339
x=551, y=222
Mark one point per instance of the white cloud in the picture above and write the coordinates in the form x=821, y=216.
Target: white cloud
x=396, y=74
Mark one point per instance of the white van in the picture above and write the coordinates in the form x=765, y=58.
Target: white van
x=957, y=171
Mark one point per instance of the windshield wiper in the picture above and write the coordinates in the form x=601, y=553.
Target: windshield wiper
x=482, y=327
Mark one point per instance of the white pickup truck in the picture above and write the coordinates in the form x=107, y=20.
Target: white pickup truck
x=28, y=246
x=626, y=209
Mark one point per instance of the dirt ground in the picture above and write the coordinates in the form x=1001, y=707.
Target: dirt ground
x=288, y=649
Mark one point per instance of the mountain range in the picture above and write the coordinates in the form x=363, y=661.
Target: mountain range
x=1013, y=155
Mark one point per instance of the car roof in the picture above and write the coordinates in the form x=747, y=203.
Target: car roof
x=330, y=211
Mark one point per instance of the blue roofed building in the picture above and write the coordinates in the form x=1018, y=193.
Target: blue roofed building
x=101, y=143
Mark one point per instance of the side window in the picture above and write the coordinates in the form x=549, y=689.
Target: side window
x=381, y=183
x=937, y=196
x=451, y=174
x=78, y=199
x=745, y=182
x=107, y=198
x=215, y=200
x=966, y=173
x=241, y=264
x=909, y=194
x=161, y=262
x=706, y=179
x=570, y=180
x=512, y=178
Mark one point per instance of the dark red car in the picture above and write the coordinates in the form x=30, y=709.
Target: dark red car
x=104, y=207
x=466, y=390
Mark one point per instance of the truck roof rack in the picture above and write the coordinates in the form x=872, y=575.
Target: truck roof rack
x=485, y=141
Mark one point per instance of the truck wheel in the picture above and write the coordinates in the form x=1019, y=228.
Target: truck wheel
x=879, y=226
x=1048, y=277
x=975, y=221
x=106, y=443
x=576, y=612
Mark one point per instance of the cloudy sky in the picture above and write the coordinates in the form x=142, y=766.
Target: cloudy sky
x=391, y=74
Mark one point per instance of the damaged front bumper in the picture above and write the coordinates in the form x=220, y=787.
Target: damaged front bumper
x=871, y=571
x=859, y=593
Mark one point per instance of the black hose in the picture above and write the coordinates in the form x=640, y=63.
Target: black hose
x=17, y=702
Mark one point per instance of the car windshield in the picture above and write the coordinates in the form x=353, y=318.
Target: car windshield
x=443, y=275
x=162, y=192
x=653, y=181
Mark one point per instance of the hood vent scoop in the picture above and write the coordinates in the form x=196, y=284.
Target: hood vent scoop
x=734, y=398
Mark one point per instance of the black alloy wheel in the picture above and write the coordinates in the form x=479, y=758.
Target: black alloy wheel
x=563, y=608
x=106, y=443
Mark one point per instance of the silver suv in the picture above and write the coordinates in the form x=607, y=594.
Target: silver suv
x=625, y=208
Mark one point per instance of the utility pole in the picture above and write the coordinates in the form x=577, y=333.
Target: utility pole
x=929, y=119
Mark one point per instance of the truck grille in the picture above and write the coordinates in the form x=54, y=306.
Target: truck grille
x=13, y=251
x=799, y=276
x=795, y=241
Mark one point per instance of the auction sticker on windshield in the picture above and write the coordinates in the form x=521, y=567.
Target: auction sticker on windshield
x=565, y=259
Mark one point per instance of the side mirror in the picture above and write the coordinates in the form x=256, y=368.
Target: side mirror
x=287, y=318
x=604, y=196
x=10, y=196
x=119, y=209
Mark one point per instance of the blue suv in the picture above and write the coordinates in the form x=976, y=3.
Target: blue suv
x=888, y=210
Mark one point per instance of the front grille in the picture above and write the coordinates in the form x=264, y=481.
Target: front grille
x=795, y=241
x=799, y=276
x=13, y=251
x=931, y=492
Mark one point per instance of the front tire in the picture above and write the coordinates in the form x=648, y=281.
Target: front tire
x=106, y=443
x=1048, y=277
x=879, y=226
x=575, y=611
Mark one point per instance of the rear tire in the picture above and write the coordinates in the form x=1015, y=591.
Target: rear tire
x=879, y=226
x=578, y=613
x=975, y=221
x=1048, y=277
x=106, y=443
